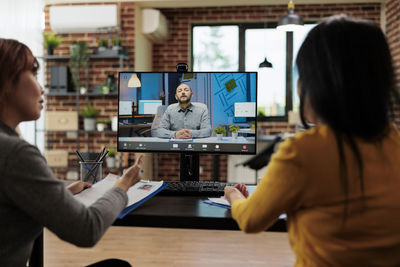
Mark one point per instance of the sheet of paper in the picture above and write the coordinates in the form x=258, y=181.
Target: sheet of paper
x=219, y=200
x=135, y=193
x=223, y=201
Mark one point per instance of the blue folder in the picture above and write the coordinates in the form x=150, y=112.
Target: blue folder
x=137, y=204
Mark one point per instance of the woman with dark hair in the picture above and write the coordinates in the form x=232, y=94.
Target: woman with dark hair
x=31, y=197
x=337, y=182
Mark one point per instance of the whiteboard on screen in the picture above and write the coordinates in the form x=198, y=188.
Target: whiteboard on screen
x=245, y=109
x=125, y=107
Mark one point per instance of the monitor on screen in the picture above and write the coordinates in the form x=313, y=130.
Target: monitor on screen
x=179, y=112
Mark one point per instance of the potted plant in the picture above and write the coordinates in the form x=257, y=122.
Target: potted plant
x=103, y=44
x=234, y=129
x=110, y=161
x=89, y=114
x=101, y=125
x=79, y=57
x=117, y=43
x=253, y=125
x=51, y=42
x=219, y=131
x=107, y=88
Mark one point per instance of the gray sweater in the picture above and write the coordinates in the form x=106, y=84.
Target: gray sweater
x=31, y=198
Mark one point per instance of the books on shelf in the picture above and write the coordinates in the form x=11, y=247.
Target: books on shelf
x=137, y=194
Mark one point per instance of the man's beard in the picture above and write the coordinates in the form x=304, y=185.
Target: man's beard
x=180, y=101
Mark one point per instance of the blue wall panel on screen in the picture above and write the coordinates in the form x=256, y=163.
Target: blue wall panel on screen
x=228, y=88
x=151, y=83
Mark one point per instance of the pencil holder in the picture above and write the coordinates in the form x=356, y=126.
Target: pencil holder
x=91, y=171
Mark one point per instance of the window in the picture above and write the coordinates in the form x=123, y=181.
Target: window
x=269, y=44
x=298, y=38
x=215, y=48
x=242, y=47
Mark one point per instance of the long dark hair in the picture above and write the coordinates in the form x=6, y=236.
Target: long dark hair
x=347, y=77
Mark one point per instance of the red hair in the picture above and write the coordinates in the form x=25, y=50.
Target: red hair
x=15, y=58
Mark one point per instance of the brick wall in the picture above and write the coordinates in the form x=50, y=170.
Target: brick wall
x=393, y=36
x=177, y=49
x=98, y=71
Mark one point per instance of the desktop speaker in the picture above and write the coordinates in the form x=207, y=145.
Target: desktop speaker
x=60, y=81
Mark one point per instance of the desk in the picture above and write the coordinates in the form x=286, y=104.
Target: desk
x=171, y=212
x=184, y=212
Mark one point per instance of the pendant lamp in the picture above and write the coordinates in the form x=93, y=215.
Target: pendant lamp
x=265, y=64
x=291, y=20
x=134, y=81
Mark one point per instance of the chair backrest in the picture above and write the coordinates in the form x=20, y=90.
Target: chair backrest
x=157, y=118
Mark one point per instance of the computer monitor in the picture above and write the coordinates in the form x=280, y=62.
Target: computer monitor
x=150, y=116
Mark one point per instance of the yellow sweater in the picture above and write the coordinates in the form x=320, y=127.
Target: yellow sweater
x=303, y=181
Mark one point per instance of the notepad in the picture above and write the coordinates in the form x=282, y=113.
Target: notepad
x=218, y=201
x=137, y=194
x=223, y=203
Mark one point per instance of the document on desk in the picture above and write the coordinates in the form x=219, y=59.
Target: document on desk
x=222, y=202
x=218, y=201
x=137, y=194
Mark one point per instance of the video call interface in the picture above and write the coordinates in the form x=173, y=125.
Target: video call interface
x=210, y=112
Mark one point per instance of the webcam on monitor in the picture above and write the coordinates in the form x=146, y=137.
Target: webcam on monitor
x=182, y=67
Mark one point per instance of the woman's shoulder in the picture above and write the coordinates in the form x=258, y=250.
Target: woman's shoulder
x=315, y=135
x=314, y=139
x=13, y=147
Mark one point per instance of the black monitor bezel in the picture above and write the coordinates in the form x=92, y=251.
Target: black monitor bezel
x=189, y=152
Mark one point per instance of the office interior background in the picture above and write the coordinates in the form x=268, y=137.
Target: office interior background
x=224, y=35
x=209, y=36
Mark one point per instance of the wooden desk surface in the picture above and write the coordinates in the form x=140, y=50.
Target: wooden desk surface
x=166, y=247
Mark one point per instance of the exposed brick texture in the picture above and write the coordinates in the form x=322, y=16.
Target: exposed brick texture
x=393, y=36
x=98, y=71
x=178, y=49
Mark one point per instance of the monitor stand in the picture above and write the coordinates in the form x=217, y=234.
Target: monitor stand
x=190, y=167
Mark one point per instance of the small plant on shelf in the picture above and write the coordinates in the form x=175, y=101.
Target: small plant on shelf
x=234, y=129
x=219, y=131
x=110, y=161
x=103, y=44
x=51, y=42
x=117, y=43
x=101, y=124
x=253, y=125
x=89, y=114
x=89, y=111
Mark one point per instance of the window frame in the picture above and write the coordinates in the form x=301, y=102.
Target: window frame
x=242, y=56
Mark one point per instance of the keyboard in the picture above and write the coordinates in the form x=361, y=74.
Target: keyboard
x=194, y=188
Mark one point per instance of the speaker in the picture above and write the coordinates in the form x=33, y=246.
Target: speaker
x=60, y=79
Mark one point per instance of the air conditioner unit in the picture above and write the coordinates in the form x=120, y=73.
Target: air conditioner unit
x=154, y=25
x=83, y=18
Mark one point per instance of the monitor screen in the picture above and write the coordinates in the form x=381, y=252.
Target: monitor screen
x=206, y=112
